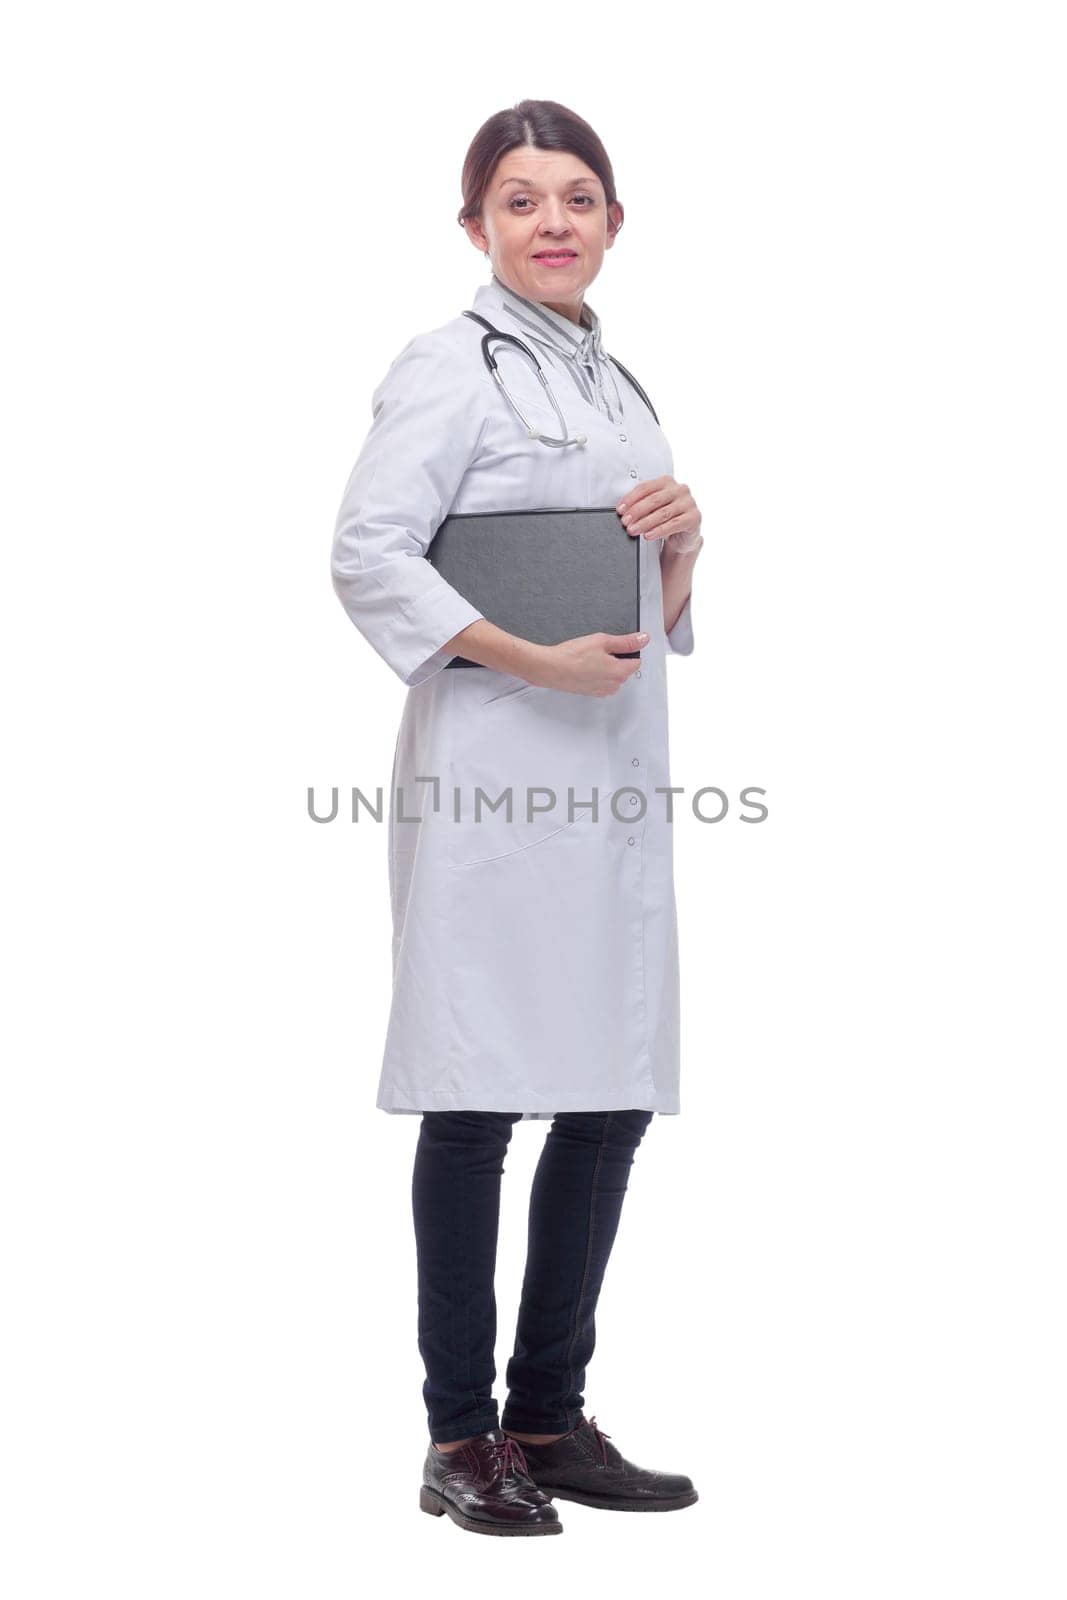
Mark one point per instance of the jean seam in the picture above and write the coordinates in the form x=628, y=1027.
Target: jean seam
x=588, y=1261
x=465, y=1212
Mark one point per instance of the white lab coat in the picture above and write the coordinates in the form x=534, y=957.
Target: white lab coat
x=535, y=962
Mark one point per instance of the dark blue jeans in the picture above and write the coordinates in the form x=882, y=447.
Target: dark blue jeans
x=575, y=1202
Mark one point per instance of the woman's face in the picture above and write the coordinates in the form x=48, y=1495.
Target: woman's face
x=545, y=200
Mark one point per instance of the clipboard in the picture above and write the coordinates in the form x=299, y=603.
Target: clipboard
x=546, y=574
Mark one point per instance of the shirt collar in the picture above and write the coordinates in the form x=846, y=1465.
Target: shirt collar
x=528, y=318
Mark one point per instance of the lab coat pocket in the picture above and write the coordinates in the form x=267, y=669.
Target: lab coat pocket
x=507, y=692
x=515, y=756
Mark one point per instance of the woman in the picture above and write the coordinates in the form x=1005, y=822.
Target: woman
x=535, y=970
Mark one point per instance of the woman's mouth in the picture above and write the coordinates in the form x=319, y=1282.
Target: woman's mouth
x=556, y=258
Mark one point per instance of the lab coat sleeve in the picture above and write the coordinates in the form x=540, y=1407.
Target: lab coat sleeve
x=428, y=419
x=680, y=637
x=679, y=641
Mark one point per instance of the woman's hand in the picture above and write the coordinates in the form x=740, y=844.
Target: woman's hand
x=586, y=665
x=663, y=508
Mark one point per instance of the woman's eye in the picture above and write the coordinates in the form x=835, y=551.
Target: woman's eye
x=525, y=200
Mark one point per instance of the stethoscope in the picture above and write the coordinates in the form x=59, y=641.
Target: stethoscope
x=510, y=338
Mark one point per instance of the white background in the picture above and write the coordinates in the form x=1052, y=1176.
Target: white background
x=836, y=1299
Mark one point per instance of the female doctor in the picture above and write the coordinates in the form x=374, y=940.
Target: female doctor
x=535, y=963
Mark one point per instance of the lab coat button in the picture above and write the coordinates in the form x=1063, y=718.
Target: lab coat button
x=622, y=438
x=633, y=799
x=633, y=472
x=630, y=840
x=634, y=762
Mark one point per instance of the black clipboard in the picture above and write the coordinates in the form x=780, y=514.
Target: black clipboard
x=545, y=574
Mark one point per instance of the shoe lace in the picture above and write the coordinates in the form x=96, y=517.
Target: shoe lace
x=509, y=1455
x=600, y=1436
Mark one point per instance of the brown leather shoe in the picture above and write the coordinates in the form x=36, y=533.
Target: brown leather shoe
x=485, y=1487
x=583, y=1467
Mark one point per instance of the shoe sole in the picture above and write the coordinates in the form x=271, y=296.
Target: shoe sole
x=604, y=1503
x=437, y=1506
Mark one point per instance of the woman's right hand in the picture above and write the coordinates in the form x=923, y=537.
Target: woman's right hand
x=586, y=665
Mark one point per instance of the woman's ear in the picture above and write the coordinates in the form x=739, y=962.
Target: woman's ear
x=476, y=234
x=615, y=218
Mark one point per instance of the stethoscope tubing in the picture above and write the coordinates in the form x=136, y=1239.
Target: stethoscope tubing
x=494, y=334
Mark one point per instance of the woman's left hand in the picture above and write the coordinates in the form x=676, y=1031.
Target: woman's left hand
x=663, y=508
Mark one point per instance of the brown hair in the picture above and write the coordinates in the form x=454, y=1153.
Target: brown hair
x=546, y=125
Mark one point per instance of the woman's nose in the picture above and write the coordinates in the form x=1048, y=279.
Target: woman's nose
x=555, y=218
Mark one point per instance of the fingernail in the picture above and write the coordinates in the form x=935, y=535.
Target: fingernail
x=643, y=637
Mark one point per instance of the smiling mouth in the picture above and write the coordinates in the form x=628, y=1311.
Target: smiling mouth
x=554, y=255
